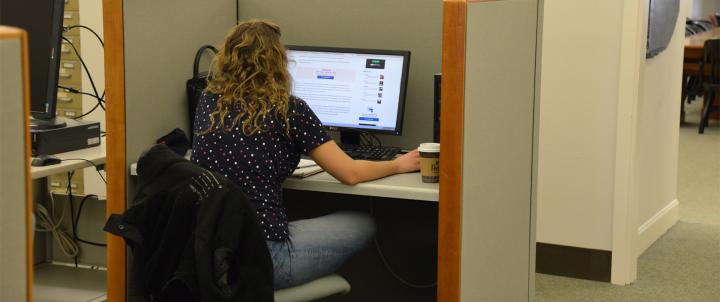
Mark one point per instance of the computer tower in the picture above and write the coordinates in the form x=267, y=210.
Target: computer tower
x=436, y=115
x=76, y=135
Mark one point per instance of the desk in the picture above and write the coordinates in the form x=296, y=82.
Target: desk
x=400, y=186
x=94, y=154
x=62, y=283
x=694, y=45
x=694, y=49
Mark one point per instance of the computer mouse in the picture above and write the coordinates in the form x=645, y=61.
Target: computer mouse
x=44, y=160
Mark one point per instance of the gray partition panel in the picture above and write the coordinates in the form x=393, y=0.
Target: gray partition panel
x=12, y=172
x=161, y=38
x=414, y=25
x=500, y=94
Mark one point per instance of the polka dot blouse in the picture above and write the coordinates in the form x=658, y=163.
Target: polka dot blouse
x=259, y=163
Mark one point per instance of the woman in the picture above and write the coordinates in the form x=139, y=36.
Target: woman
x=252, y=130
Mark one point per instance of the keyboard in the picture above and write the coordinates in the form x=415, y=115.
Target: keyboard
x=370, y=152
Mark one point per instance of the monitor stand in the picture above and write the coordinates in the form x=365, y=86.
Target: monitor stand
x=349, y=137
x=42, y=124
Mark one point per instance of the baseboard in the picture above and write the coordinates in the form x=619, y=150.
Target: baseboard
x=574, y=262
x=657, y=225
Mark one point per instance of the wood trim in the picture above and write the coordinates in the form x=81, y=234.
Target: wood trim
x=11, y=33
x=451, y=157
x=29, y=246
x=115, y=125
x=574, y=262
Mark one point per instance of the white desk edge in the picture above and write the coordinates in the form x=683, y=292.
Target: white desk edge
x=401, y=186
x=96, y=155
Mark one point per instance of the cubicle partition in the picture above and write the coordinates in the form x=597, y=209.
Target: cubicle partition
x=489, y=131
x=486, y=212
x=149, y=51
x=15, y=198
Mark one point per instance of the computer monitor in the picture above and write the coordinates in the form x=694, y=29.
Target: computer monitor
x=43, y=21
x=352, y=89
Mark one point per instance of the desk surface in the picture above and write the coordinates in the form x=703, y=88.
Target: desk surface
x=401, y=186
x=697, y=41
x=94, y=154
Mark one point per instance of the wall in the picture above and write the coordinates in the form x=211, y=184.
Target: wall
x=578, y=107
x=701, y=9
x=582, y=166
x=413, y=25
x=657, y=137
x=161, y=38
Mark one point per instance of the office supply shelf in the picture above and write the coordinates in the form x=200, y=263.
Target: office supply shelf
x=60, y=283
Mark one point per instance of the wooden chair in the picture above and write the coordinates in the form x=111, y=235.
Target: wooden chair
x=711, y=81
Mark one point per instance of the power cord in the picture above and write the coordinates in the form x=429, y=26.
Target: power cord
x=76, y=222
x=47, y=222
x=387, y=264
x=87, y=71
x=97, y=167
x=87, y=28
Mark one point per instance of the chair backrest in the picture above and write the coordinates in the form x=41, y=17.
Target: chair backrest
x=711, y=59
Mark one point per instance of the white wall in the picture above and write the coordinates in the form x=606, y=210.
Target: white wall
x=657, y=134
x=703, y=8
x=578, y=108
x=581, y=68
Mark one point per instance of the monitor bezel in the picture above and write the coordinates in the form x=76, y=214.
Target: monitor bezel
x=403, y=81
x=58, y=11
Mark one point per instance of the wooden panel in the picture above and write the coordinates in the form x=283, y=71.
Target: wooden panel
x=575, y=262
x=451, y=140
x=115, y=164
x=29, y=228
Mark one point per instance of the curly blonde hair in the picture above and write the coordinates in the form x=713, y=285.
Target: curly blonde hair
x=249, y=75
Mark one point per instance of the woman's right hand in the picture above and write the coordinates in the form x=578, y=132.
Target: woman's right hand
x=409, y=162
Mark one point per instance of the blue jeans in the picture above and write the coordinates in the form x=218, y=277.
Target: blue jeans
x=319, y=246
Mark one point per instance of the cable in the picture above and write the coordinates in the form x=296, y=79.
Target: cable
x=82, y=62
x=77, y=222
x=387, y=265
x=89, y=112
x=74, y=220
x=89, y=29
x=47, y=222
x=73, y=90
x=72, y=212
x=97, y=167
x=100, y=100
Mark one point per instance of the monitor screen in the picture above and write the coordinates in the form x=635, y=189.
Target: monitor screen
x=42, y=20
x=352, y=88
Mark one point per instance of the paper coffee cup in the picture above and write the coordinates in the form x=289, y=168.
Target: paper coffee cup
x=430, y=162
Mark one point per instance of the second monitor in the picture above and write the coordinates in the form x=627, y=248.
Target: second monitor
x=352, y=89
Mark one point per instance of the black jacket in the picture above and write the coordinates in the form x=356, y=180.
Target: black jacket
x=193, y=234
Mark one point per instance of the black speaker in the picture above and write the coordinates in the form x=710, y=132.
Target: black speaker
x=436, y=115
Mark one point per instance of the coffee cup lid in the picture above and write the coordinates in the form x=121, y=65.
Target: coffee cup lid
x=429, y=147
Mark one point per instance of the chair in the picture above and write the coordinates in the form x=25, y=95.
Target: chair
x=320, y=288
x=710, y=80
